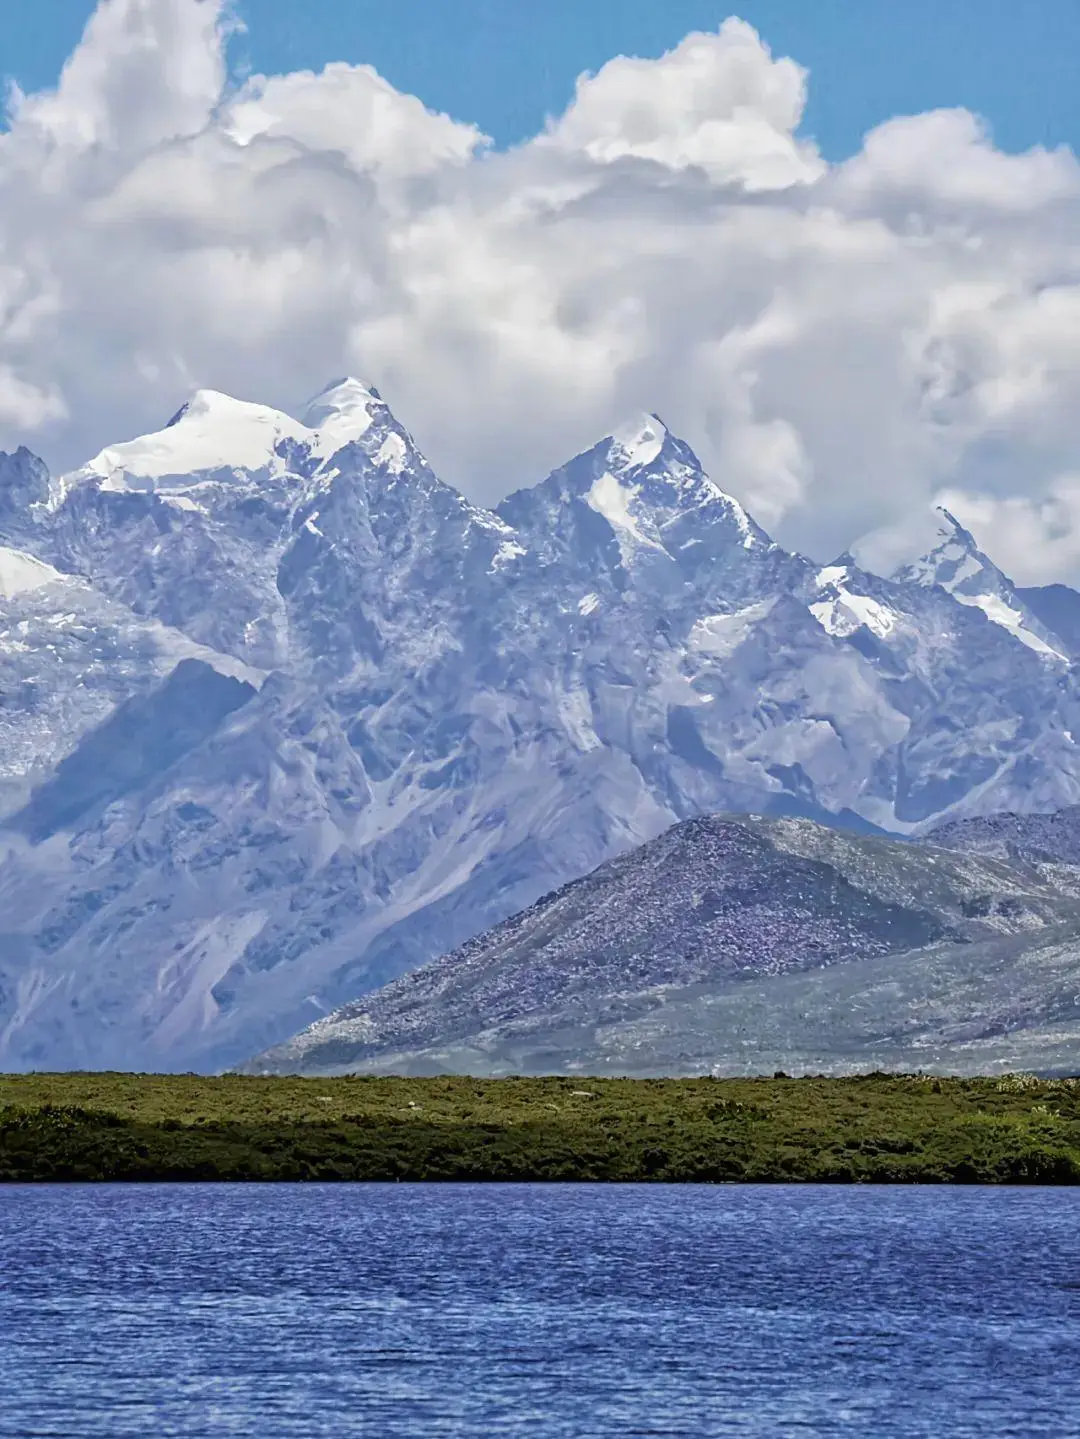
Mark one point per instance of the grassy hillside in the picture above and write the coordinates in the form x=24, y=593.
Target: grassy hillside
x=880, y=1129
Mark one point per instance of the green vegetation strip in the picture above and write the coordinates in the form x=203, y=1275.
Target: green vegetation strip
x=879, y=1129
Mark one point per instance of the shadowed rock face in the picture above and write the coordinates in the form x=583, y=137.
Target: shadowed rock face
x=24, y=482
x=135, y=746
x=399, y=718
x=711, y=908
x=1058, y=608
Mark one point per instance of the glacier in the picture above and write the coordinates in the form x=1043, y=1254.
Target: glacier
x=283, y=716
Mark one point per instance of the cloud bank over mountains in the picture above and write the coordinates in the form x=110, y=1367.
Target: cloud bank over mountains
x=842, y=344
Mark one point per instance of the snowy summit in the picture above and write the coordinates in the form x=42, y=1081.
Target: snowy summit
x=213, y=434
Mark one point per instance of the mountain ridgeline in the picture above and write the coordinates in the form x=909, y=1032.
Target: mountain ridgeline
x=733, y=946
x=284, y=717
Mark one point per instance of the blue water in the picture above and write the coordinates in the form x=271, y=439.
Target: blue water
x=410, y=1310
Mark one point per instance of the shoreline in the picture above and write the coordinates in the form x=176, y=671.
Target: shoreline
x=876, y=1129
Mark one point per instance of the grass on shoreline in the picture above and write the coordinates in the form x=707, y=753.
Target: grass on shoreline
x=878, y=1129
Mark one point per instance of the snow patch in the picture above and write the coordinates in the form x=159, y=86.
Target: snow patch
x=742, y=519
x=831, y=575
x=20, y=573
x=508, y=551
x=611, y=500
x=392, y=454
x=1002, y=613
x=841, y=611
x=721, y=635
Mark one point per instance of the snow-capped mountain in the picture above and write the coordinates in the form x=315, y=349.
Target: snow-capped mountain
x=957, y=564
x=284, y=716
x=191, y=525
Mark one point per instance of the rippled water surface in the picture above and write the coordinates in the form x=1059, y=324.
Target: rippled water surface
x=411, y=1310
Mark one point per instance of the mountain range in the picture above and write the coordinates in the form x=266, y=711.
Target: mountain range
x=283, y=716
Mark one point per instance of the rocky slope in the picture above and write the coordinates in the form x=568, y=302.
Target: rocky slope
x=283, y=716
x=1047, y=844
x=728, y=945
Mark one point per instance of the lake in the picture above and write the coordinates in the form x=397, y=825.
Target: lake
x=569, y=1310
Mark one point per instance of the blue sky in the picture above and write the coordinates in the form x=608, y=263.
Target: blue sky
x=505, y=63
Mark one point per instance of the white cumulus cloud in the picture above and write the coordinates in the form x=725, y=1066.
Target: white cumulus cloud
x=718, y=102
x=843, y=344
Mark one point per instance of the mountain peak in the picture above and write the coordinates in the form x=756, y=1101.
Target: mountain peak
x=650, y=491
x=216, y=406
x=344, y=398
x=953, y=526
x=955, y=537
x=342, y=412
x=212, y=432
x=24, y=481
x=639, y=441
x=666, y=477
x=953, y=559
x=957, y=564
